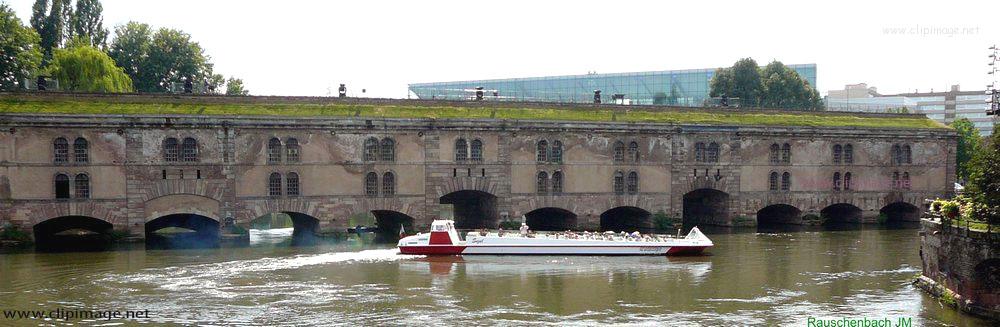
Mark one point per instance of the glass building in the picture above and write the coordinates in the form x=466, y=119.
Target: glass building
x=670, y=87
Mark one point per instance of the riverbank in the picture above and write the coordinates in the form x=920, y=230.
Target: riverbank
x=961, y=268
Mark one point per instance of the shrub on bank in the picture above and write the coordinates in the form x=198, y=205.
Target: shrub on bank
x=9, y=233
x=662, y=221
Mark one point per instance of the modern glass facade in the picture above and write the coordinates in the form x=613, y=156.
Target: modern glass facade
x=669, y=87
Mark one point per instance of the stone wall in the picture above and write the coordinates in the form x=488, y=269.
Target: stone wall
x=962, y=267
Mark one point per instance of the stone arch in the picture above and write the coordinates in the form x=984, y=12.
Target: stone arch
x=473, y=209
x=841, y=213
x=58, y=233
x=779, y=214
x=205, y=231
x=390, y=222
x=901, y=211
x=182, y=204
x=706, y=206
x=551, y=219
x=626, y=218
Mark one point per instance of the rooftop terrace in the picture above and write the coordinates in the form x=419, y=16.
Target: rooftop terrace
x=327, y=107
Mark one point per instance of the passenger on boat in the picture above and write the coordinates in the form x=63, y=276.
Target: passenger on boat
x=524, y=229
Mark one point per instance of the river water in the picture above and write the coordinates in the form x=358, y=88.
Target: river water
x=750, y=278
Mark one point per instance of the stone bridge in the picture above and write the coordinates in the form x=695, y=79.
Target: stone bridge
x=141, y=173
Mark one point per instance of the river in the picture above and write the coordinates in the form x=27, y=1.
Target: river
x=779, y=277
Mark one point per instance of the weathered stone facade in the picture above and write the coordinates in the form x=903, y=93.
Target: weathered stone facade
x=961, y=266
x=132, y=183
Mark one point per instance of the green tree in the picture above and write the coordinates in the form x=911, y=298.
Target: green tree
x=157, y=60
x=984, y=180
x=82, y=67
x=51, y=20
x=742, y=81
x=968, y=146
x=87, y=22
x=234, y=86
x=784, y=88
x=19, y=50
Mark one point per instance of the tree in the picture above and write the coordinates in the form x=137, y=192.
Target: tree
x=19, y=51
x=87, y=22
x=784, y=88
x=53, y=27
x=984, y=181
x=968, y=146
x=234, y=86
x=775, y=86
x=82, y=67
x=156, y=61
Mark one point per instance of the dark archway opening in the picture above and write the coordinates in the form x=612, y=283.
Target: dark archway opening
x=304, y=229
x=73, y=233
x=182, y=231
x=550, y=219
x=284, y=228
x=706, y=206
x=779, y=214
x=473, y=209
x=627, y=219
x=840, y=213
x=900, y=212
x=390, y=224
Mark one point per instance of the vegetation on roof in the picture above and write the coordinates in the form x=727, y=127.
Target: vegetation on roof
x=437, y=111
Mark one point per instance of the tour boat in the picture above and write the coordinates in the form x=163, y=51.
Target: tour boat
x=443, y=240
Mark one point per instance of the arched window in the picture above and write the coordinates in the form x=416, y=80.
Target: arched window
x=461, y=150
x=274, y=151
x=60, y=150
x=906, y=181
x=388, y=184
x=292, y=150
x=837, y=153
x=786, y=181
x=274, y=184
x=476, y=150
x=557, y=178
x=895, y=180
x=774, y=154
x=848, y=154
x=189, y=150
x=836, y=181
x=542, y=151
x=633, y=183
x=699, y=152
x=633, y=151
x=786, y=153
x=556, y=152
x=62, y=186
x=292, y=184
x=619, y=150
x=772, y=181
x=907, y=154
x=619, y=183
x=897, y=154
x=81, y=186
x=387, y=150
x=371, y=184
x=713, y=152
x=542, y=182
x=371, y=149
x=847, y=181
x=80, y=150
x=171, y=150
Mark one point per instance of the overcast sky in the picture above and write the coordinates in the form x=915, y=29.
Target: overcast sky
x=308, y=47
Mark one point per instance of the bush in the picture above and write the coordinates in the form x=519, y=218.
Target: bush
x=663, y=221
x=882, y=218
x=510, y=224
x=9, y=233
x=950, y=209
x=936, y=206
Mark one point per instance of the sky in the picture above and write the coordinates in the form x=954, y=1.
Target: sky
x=296, y=47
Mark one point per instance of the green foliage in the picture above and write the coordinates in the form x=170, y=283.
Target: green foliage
x=663, y=221
x=984, y=181
x=898, y=110
x=936, y=205
x=968, y=145
x=52, y=22
x=774, y=86
x=85, y=68
x=19, y=50
x=15, y=104
x=510, y=224
x=234, y=86
x=237, y=229
x=812, y=219
x=157, y=60
x=10, y=233
x=949, y=209
x=88, y=23
x=882, y=218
